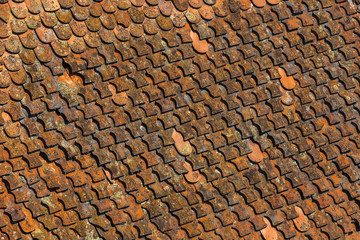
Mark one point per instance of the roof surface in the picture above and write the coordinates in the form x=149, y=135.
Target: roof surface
x=179, y=119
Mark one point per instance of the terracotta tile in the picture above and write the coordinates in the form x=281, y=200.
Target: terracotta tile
x=269, y=233
x=206, y=12
x=273, y=2
x=5, y=13
x=257, y=155
x=259, y=3
x=193, y=16
x=166, y=7
x=200, y=46
x=177, y=119
x=182, y=146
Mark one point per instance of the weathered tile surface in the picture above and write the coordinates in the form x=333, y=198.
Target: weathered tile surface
x=182, y=119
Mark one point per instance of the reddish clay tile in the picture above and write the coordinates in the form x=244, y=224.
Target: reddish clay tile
x=16, y=93
x=122, y=34
x=50, y=6
x=245, y=4
x=288, y=97
x=182, y=146
x=166, y=8
x=77, y=45
x=138, y=3
x=91, y=92
x=108, y=6
x=5, y=30
x=200, y=46
x=136, y=30
x=207, y=12
x=120, y=98
x=257, y=155
x=178, y=18
x=191, y=176
x=5, y=13
x=123, y=18
x=19, y=77
x=78, y=28
x=150, y=26
x=96, y=10
x=29, y=224
x=288, y=82
x=4, y=97
x=5, y=167
x=164, y=22
x=151, y=11
x=5, y=79
x=269, y=233
x=259, y=3
x=302, y=223
x=195, y=3
x=12, y=45
x=93, y=24
x=27, y=56
x=12, y=62
x=181, y=5
x=123, y=4
x=48, y=19
x=18, y=9
x=6, y=117
x=192, y=15
x=273, y=2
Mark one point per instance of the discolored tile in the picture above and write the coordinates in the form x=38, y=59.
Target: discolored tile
x=156, y=119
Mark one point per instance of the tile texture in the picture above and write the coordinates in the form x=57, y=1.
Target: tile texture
x=182, y=119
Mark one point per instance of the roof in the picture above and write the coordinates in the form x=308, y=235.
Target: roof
x=213, y=119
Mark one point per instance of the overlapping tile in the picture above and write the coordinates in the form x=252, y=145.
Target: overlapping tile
x=150, y=119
